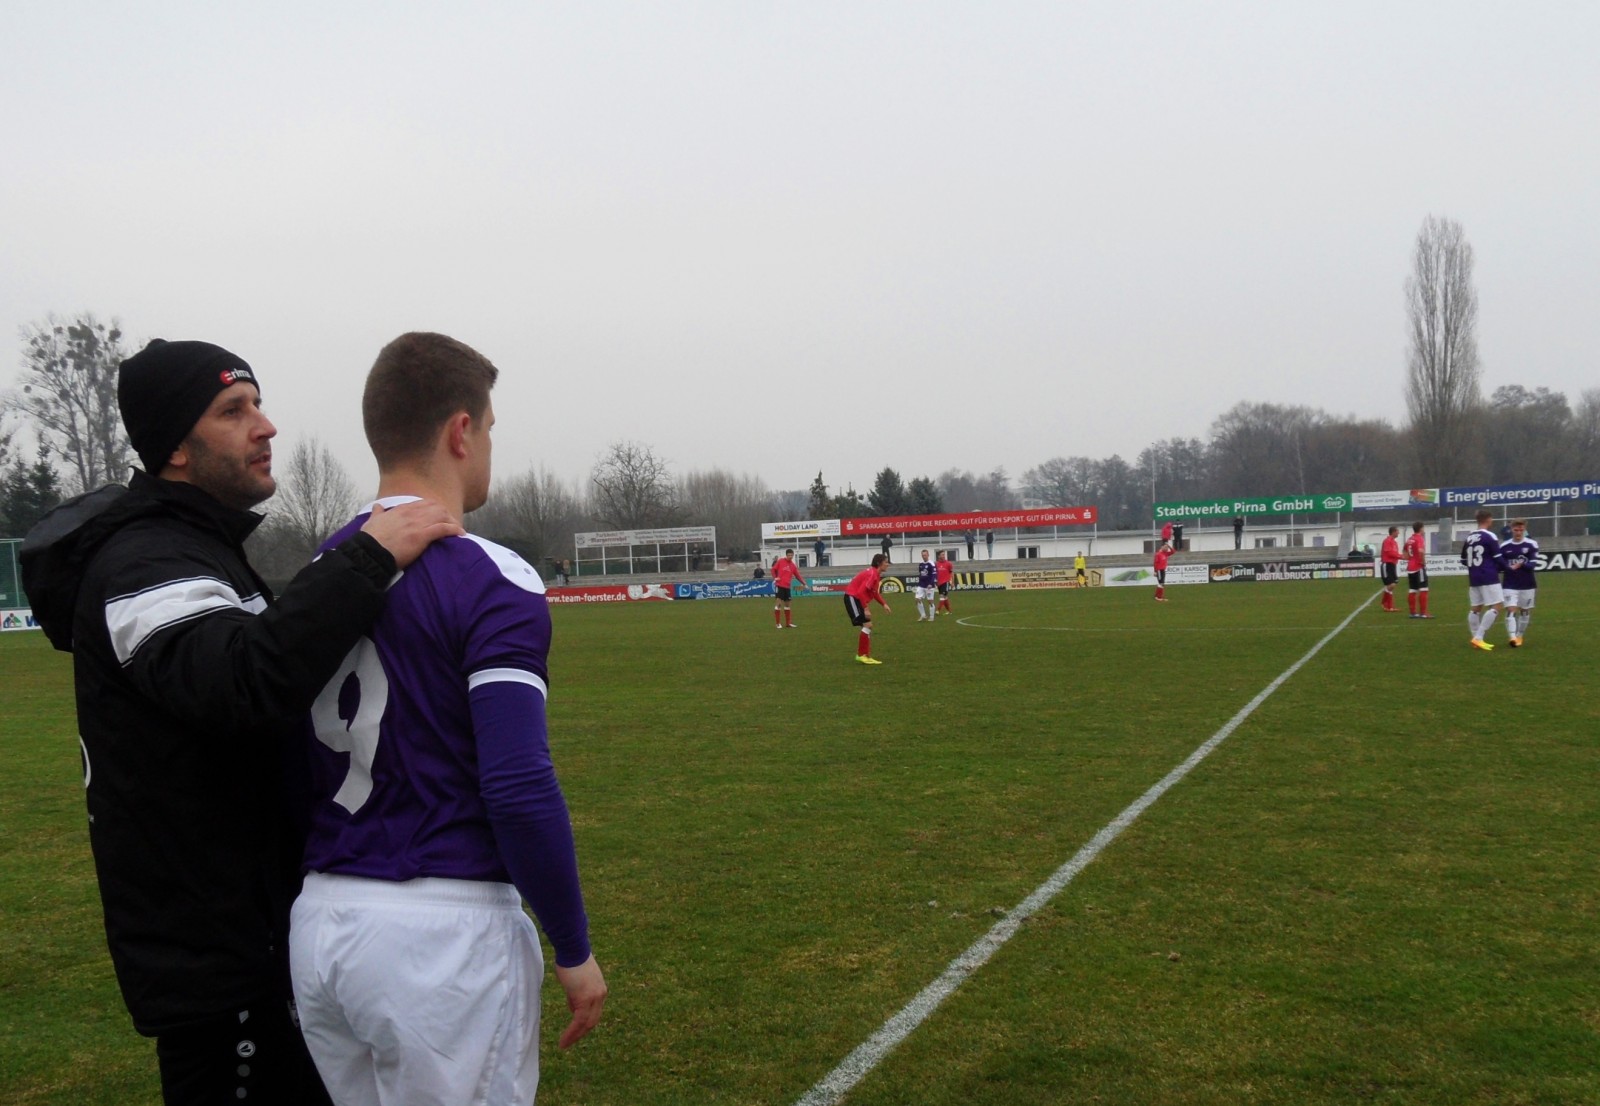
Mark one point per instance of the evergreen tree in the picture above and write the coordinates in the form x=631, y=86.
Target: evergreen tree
x=27, y=493
x=888, y=494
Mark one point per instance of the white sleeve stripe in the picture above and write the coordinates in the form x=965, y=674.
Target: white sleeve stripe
x=132, y=620
x=507, y=676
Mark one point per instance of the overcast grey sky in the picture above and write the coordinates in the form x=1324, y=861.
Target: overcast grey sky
x=778, y=238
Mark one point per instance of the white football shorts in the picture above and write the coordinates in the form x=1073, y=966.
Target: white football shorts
x=1522, y=600
x=1484, y=595
x=417, y=993
x=927, y=593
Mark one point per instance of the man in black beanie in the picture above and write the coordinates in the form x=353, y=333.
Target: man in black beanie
x=192, y=682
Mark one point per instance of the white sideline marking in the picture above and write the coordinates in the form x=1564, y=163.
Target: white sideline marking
x=867, y=1055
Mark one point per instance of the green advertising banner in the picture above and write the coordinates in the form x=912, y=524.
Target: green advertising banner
x=1254, y=505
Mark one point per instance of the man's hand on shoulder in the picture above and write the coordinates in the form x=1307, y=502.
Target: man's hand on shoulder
x=405, y=531
x=586, y=994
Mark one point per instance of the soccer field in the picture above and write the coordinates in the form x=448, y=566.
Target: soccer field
x=1381, y=886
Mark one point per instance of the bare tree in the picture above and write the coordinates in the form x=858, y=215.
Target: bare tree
x=965, y=491
x=735, y=505
x=6, y=433
x=1532, y=436
x=1586, y=433
x=315, y=495
x=69, y=392
x=1347, y=454
x=632, y=489
x=1442, y=372
x=535, y=513
x=1061, y=482
x=1260, y=448
x=788, y=505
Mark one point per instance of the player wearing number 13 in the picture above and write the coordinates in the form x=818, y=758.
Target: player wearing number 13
x=437, y=810
x=1481, y=554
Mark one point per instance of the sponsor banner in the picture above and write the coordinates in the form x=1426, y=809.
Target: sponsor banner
x=827, y=584
x=615, y=593
x=1231, y=574
x=1139, y=576
x=1314, y=570
x=1578, y=560
x=1413, y=497
x=1520, y=493
x=672, y=535
x=1036, y=579
x=1028, y=518
x=1267, y=505
x=808, y=530
x=979, y=581
x=20, y=619
x=1442, y=564
x=734, y=589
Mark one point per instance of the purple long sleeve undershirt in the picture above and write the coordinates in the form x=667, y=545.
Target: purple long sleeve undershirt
x=528, y=813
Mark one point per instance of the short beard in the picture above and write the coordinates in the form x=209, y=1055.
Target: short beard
x=229, y=484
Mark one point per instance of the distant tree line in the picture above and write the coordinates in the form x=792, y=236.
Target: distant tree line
x=65, y=399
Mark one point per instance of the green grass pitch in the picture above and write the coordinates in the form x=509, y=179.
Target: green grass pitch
x=1382, y=887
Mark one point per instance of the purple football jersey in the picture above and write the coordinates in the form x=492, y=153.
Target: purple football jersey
x=396, y=784
x=927, y=574
x=1519, y=556
x=1481, y=554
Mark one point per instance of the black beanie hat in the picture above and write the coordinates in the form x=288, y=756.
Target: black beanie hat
x=165, y=388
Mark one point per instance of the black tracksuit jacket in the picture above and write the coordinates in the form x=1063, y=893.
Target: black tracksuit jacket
x=192, y=681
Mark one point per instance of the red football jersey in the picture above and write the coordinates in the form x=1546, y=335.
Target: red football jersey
x=1415, y=555
x=1390, y=555
x=865, y=587
x=785, y=570
x=943, y=571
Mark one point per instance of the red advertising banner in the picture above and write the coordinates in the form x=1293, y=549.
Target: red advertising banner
x=609, y=594
x=1029, y=518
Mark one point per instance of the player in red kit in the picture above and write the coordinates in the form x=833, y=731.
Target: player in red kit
x=1163, y=553
x=1389, y=565
x=784, y=573
x=1416, y=552
x=943, y=573
x=859, y=594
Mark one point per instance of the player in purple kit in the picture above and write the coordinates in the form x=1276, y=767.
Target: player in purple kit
x=927, y=589
x=437, y=810
x=1481, y=554
x=1518, y=584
